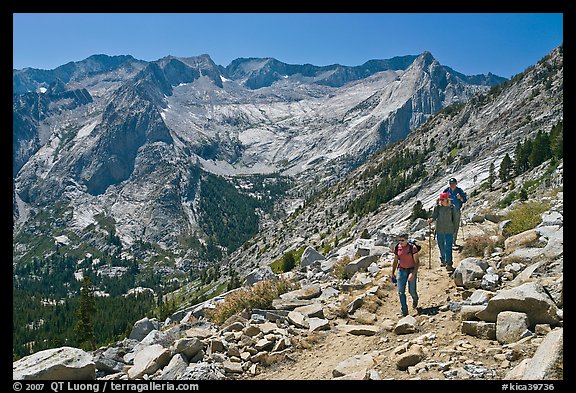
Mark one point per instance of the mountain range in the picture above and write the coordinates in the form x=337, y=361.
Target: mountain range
x=136, y=142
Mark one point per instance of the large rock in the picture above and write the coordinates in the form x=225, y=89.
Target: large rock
x=312, y=310
x=359, y=330
x=481, y=329
x=528, y=298
x=411, y=357
x=520, y=240
x=406, y=325
x=360, y=264
x=547, y=362
x=175, y=368
x=189, y=346
x=511, y=326
x=552, y=218
x=260, y=274
x=64, y=363
x=353, y=364
x=155, y=337
x=309, y=256
x=307, y=292
x=149, y=360
x=469, y=272
x=142, y=328
x=203, y=371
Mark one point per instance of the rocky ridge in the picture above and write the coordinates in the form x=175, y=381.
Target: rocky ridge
x=149, y=123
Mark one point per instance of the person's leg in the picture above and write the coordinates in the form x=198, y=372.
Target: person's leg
x=441, y=238
x=448, y=245
x=413, y=291
x=402, y=278
x=456, y=224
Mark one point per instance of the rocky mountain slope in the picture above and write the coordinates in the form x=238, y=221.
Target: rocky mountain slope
x=499, y=316
x=124, y=139
x=461, y=141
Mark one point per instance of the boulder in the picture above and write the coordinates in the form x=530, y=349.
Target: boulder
x=309, y=256
x=528, y=298
x=64, y=363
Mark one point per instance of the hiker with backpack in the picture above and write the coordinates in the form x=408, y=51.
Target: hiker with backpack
x=406, y=261
x=445, y=217
x=457, y=198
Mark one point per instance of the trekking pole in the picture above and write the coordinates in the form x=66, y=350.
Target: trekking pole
x=462, y=229
x=462, y=225
x=429, y=246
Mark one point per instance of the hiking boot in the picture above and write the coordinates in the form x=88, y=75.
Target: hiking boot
x=450, y=268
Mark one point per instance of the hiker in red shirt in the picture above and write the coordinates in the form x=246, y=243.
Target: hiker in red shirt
x=407, y=261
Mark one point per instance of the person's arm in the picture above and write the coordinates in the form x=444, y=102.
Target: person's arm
x=463, y=195
x=394, y=266
x=416, y=263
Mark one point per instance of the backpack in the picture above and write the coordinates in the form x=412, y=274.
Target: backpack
x=411, y=244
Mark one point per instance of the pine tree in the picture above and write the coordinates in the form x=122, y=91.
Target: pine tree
x=557, y=140
x=288, y=261
x=540, y=149
x=234, y=281
x=84, y=329
x=491, y=176
x=521, y=155
x=505, y=168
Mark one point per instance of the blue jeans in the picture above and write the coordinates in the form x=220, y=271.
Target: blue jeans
x=402, y=279
x=445, y=246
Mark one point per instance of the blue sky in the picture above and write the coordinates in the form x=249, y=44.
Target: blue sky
x=472, y=43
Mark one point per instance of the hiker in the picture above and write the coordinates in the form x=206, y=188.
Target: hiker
x=457, y=198
x=407, y=261
x=444, y=214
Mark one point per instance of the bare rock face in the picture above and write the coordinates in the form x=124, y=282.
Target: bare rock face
x=65, y=363
x=131, y=148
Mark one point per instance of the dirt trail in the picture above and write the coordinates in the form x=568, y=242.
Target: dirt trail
x=324, y=350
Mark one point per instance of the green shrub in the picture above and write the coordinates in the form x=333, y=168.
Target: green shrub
x=508, y=199
x=524, y=217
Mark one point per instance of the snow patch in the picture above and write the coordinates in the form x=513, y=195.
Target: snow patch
x=63, y=239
